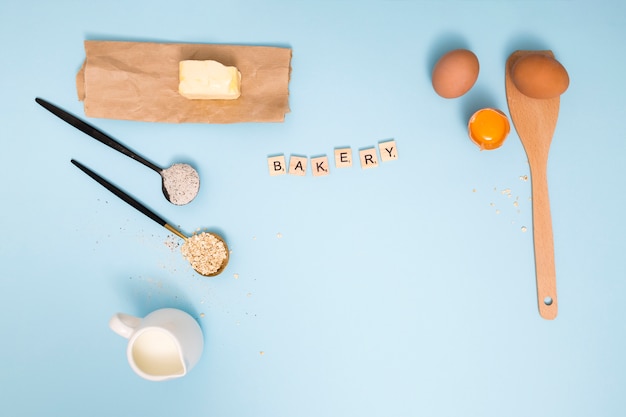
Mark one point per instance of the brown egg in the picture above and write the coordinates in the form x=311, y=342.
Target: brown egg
x=455, y=73
x=538, y=75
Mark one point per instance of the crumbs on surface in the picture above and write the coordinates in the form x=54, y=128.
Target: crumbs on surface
x=205, y=252
x=172, y=242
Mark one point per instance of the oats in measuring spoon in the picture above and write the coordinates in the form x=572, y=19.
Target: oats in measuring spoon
x=205, y=252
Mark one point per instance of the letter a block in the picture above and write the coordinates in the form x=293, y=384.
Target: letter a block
x=297, y=165
x=276, y=165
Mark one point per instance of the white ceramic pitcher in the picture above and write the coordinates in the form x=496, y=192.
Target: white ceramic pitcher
x=165, y=344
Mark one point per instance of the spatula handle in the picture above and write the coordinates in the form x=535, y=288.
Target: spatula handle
x=544, y=243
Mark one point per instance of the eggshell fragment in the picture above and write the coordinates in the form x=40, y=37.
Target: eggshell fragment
x=539, y=75
x=455, y=73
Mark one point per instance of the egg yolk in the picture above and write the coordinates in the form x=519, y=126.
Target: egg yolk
x=488, y=128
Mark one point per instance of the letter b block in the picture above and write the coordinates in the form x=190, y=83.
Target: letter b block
x=276, y=165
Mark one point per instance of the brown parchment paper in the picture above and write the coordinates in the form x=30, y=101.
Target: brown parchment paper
x=139, y=81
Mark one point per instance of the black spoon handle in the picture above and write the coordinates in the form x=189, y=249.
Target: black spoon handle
x=121, y=194
x=95, y=133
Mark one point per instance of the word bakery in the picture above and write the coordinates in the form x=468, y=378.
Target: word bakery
x=343, y=159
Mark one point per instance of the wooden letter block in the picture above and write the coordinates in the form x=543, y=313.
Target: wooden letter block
x=276, y=165
x=368, y=158
x=343, y=157
x=319, y=166
x=297, y=165
x=388, y=150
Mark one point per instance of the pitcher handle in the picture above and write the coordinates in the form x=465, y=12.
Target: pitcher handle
x=124, y=324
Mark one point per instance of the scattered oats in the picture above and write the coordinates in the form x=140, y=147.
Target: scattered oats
x=523, y=177
x=172, y=242
x=236, y=276
x=261, y=353
x=524, y=228
x=201, y=314
x=279, y=235
x=249, y=294
x=497, y=211
x=473, y=190
x=205, y=252
x=516, y=204
x=492, y=204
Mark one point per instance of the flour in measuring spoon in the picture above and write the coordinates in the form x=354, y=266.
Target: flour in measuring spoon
x=181, y=183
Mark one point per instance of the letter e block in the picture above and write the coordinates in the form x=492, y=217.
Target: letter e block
x=368, y=158
x=319, y=166
x=343, y=157
x=297, y=165
x=276, y=165
x=388, y=150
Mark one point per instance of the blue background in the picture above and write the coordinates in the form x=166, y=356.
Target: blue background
x=403, y=290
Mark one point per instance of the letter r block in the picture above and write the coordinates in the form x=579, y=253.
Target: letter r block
x=368, y=157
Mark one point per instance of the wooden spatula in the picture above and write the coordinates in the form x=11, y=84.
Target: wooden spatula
x=535, y=121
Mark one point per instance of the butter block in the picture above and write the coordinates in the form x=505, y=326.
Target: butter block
x=208, y=80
